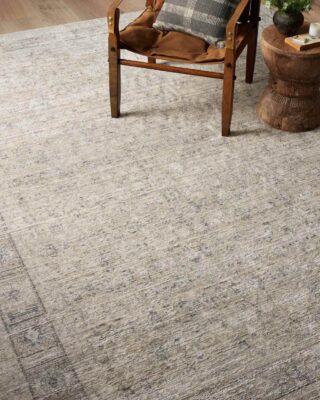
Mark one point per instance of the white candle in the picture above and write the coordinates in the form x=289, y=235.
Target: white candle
x=314, y=29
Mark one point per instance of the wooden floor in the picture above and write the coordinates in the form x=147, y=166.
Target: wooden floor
x=17, y=15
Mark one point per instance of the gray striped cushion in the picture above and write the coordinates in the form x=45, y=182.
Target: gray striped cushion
x=206, y=19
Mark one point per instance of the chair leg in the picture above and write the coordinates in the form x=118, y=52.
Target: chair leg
x=228, y=92
x=114, y=83
x=251, y=55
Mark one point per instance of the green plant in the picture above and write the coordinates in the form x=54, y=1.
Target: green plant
x=289, y=6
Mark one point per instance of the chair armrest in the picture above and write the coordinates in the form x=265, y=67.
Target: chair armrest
x=231, y=29
x=113, y=17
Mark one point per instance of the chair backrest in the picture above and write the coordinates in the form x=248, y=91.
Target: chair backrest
x=251, y=13
x=255, y=9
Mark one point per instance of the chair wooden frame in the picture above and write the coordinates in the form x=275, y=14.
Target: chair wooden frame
x=246, y=14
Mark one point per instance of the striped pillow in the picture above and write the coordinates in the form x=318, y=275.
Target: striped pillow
x=206, y=19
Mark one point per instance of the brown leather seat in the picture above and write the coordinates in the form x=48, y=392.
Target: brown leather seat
x=142, y=38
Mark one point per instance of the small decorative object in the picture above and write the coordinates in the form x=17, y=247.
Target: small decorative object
x=288, y=18
x=314, y=30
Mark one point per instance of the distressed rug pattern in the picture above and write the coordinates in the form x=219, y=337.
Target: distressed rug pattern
x=148, y=258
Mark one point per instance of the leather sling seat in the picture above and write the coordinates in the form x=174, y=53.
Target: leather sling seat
x=140, y=37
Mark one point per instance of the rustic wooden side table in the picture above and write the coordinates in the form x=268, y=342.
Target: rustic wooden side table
x=291, y=101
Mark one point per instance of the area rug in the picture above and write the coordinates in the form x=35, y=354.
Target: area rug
x=148, y=258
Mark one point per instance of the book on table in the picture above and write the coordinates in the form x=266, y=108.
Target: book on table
x=302, y=42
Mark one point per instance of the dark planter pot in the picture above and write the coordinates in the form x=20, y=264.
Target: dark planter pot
x=288, y=24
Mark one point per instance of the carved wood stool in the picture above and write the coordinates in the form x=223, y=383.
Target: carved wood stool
x=291, y=101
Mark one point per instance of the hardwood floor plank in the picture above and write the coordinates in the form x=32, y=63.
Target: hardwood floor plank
x=12, y=10
x=84, y=10
x=18, y=15
x=314, y=14
x=56, y=12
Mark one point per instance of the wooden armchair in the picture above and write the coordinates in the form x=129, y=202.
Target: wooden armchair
x=141, y=38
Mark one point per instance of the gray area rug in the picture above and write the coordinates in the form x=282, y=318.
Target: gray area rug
x=148, y=257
